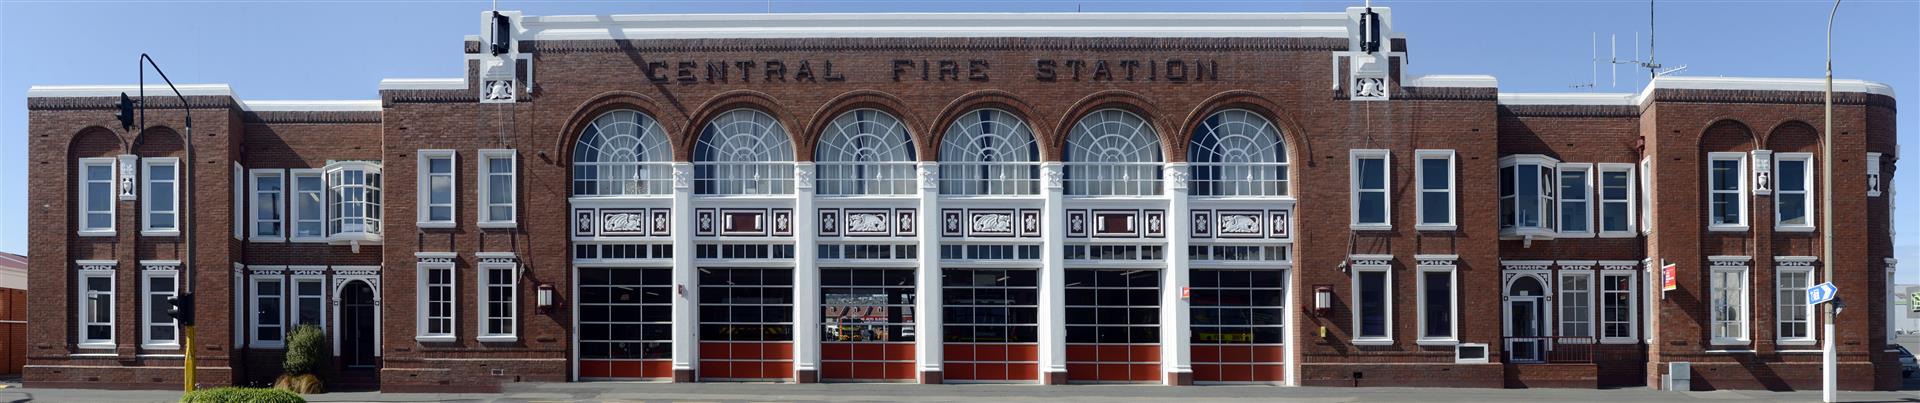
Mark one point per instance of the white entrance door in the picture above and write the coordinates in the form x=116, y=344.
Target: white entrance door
x=1524, y=342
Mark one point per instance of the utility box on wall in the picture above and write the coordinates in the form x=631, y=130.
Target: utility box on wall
x=1679, y=377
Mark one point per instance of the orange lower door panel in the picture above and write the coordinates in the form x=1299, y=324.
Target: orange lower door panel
x=626, y=369
x=1117, y=363
x=867, y=362
x=1241, y=363
x=991, y=362
x=745, y=361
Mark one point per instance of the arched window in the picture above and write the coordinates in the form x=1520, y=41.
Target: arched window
x=989, y=152
x=1236, y=152
x=1113, y=152
x=743, y=151
x=865, y=151
x=622, y=153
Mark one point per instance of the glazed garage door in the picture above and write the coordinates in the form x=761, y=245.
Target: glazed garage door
x=868, y=315
x=626, y=323
x=746, y=324
x=1238, y=325
x=992, y=325
x=1113, y=325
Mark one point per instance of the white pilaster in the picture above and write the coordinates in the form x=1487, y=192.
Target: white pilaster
x=806, y=276
x=686, y=343
x=1053, y=288
x=1174, y=355
x=927, y=319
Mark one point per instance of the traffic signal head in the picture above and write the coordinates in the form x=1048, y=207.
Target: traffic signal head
x=126, y=112
x=180, y=307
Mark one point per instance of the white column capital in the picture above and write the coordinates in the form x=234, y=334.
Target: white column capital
x=803, y=175
x=1176, y=177
x=1054, y=174
x=682, y=176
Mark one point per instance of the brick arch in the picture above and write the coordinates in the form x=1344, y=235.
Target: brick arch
x=1793, y=136
x=1290, y=130
x=1110, y=99
x=159, y=141
x=613, y=101
x=986, y=99
x=95, y=141
x=736, y=99
x=1727, y=134
x=862, y=99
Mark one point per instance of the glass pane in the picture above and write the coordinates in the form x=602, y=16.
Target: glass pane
x=1793, y=175
x=1439, y=304
x=1373, y=207
x=1373, y=304
x=1373, y=173
x=1435, y=207
x=1434, y=173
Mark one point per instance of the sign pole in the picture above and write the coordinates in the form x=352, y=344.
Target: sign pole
x=1829, y=377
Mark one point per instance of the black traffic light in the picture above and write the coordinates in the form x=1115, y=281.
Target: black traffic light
x=126, y=112
x=180, y=307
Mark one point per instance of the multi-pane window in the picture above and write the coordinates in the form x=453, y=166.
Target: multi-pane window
x=1373, y=305
x=1527, y=188
x=96, y=308
x=862, y=312
x=1238, y=306
x=436, y=302
x=497, y=188
x=1371, y=182
x=1617, y=308
x=309, y=301
x=1726, y=191
x=989, y=152
x=626, y=313
x=1113, y=152
x=743, y=151
x=1727, y=293
x=1576, y=304
x=309, y=200
x=1795, y=315
x=1237, y=152
x=269, y=207
x=353, y=200
x=1437, y=298
x=158, y=330
x=1616, y=199
x=989, y=252
x=1435, y=174
x=746, y=304
x=499, y=284
x=437, y=189
x=161, y=202
x=865, y=152
x=269, y=311
x=1575, y=197
x=1112, y=307
x=622, y=153
x=991, y=324
x=96, y=196
x=1792, y=197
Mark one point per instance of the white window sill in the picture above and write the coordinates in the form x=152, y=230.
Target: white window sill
x=1436, y=227
x=171, y=346
x=1798, y=342
x=1574, y=234
x=94, y=233
x=1618, y=234
x=1729, y=351
x=271, y=345
x=1372, y=227
x=1731, y=342
x=1438, y=342
x=314, y=239
x=163, y=232
x=1804, y=351
x=1373, y=341
x=504, y=338
x=1619, y=340
x=1793, y=228
x=1727, y=228
x=448, y=338
x=497, y=224
x=434, y=224
x=266, y=239
x=95, y=345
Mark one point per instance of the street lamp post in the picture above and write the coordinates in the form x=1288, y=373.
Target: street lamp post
x=1829, y=376
x=182, y=302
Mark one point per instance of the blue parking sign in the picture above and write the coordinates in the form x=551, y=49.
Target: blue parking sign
x=1821, y=293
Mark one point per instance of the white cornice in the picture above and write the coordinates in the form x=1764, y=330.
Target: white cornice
x=1693, y=83
x=423, y=84
x=314, y=106
x=1581, y=98
x=72, y=91
x=934, y=25
x=1455, y=80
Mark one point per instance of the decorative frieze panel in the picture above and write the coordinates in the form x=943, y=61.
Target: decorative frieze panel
x=1370, y=260
x=1796, y=261
x=583, y=222
x=743, y=222
x=630, y=222
x=1438, y=260
x=1873, y=174
x=1618, y=265
x=1242, y=224
x=782, y=222
x=152, y=265
x=1029, y=223
x=868, y=222
x=129, y=164
x=990, y=223
x=1762, y=172
x=1525, y=264
x=1077, y=223
x=705, y=222
x=623, y=222
x=1116, y=223
x=310, y=272
x=91, y=265
x=904, y=223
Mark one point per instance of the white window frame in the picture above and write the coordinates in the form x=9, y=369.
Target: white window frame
x=147, y=320
x=482, y=284
x=1645, y=193
x=1589, y=295
x=1746, y=295
x=1453, y=306
x=1452, y=190
x=1806, y=193
x=239, y=202
x=83, y=304
x=1779, y=286
x=1546, y=198
x=1633, y=306
x=253, y=214
x=113, y=203
x=1386, y=189
x=421, y=296
x=254, y=328
x=422, y=211
x=146, y=196
x=295, y=298
x=293, y=204
x=1387, y=288
x=1599, y=194
x=1875, y=185
x=1739, y=188
x=1587, y=183
x=484, y=196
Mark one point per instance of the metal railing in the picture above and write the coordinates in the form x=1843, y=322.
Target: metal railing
x=864, y=178
x=1113, y=178
x=1549, y=350
x=989, y=178
x=1238, y=179
x=743, y=178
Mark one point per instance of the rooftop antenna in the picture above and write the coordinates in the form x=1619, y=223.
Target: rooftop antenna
x=1594, y=62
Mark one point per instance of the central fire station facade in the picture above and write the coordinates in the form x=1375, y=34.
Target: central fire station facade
x=1020, y=198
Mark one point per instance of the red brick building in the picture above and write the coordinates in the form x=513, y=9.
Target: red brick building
x=1022, y=198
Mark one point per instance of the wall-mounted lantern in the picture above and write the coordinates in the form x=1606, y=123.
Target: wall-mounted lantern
x=1322, y=300
x=544, y=296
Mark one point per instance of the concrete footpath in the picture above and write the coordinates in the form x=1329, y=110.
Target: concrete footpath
x=749, y=392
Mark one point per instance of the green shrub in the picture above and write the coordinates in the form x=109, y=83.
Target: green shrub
x=306, y=351
x=241, y=395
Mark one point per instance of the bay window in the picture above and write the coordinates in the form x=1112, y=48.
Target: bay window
x=1527, y=207
x=308, y=200
x=160, y=206
x=1792, y=196
x=353, y=201
x=1727, y=191
x=1616, y=200
x=497, y=181
x=1434, y=171
x=1371, y=184
x=269, y=211
x=96, y=196
x=1576, y=194
x=437, y=189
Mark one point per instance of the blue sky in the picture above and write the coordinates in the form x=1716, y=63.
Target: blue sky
x=341, y=49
